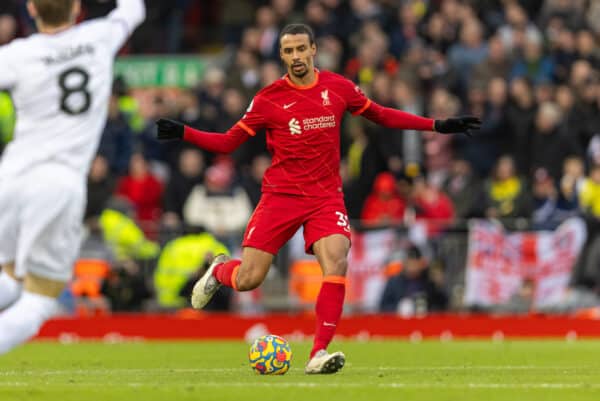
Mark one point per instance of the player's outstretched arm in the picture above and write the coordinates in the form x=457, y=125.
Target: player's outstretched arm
x=168, y=129
x=130, y=12
x=392, y=118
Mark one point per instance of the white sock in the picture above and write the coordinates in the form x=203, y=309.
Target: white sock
x=10, y=289
x=23, y=319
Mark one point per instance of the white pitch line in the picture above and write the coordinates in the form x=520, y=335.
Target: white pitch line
x=349, y=367
x=271, y=384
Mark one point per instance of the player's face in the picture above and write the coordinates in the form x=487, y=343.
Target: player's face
x=297, y=53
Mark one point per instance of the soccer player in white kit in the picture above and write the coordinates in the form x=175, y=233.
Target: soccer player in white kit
x=60, y=80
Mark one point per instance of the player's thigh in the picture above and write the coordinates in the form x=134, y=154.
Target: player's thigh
x=50, y=229
x=43, y=286
x=9, y=211
x=274, y=221
x=327, y=217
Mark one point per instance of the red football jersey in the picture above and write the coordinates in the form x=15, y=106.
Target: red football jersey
x=303, y=132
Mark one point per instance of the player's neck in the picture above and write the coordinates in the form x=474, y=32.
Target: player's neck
x=308, y=79
x=51, y=30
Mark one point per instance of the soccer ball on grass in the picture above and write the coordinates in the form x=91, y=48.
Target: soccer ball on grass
x=270, y=355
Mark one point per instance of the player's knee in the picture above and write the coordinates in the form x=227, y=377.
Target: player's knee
x=338, y=266
x=247, y=283
x=247, y=280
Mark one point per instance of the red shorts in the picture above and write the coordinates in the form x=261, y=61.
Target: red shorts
x=277, y=217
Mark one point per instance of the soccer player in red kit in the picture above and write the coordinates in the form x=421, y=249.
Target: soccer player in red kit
x=301, y=113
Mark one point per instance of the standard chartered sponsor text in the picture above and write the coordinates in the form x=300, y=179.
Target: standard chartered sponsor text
x=318, y=122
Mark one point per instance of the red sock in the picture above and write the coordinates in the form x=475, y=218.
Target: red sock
x=330, y=303
x=225, y=273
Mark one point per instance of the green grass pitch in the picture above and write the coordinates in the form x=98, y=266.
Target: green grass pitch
x=375, y=370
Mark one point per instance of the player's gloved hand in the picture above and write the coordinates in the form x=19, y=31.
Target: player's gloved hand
x=169, y=129
x=457, y=124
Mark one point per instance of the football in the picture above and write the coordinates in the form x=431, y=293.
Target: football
x=270, y=355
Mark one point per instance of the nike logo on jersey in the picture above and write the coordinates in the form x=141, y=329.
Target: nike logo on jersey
x=328, y=324
x=287, y=106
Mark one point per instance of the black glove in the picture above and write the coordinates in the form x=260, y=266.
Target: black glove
x=169, y=129
x=457, y=124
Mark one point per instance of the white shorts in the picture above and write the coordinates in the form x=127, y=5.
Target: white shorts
x=41, y=215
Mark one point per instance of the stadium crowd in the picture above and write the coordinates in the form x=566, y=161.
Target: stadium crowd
x=529, y=69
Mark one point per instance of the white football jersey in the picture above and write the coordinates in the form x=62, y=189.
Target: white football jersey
x=60, y=85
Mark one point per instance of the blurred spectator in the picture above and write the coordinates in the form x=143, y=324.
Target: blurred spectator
x=235, y=16
x=587, y=270
x=128, y=105
x=125, y=287
x=252, y=179
x=431, y=205
x=438, y=148
x=329, y=56
x=589, y=195
x=551, y=144
x=564, y=54
x=518, y=28
x=482, y=150
x=533, y=64
x=370, y=56
x=320, y=19
x=244, y=73
x=471, y=51
x=116, y=143
x=183, y=260
x=408, y=97
x=266, y=22
x=100, y=186
x=439, y=33
x=506, y=196
x=384, y=206
x=497, y=63
x=220, y=205
x=270, y=72
x=209, y=96
x=126, y=240
x=568, y=11
x=144, y=192
x=406, y=29
x=586, y=112
x=286, y=13
x=417, y=289
x=520, y=116
x=9, y=15
x=521, y=302
x=464, y=189
x=189, y=173
x=546, y=215
x=587, y=48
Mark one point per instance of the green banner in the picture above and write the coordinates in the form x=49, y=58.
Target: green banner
x=144, y=71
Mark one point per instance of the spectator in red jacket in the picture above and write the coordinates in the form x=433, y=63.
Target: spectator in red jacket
x=144, y=191
x=432, y=205
x=383, y=206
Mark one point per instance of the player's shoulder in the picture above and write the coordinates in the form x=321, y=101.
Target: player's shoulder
x=329, y=76
x=16, y=45
x=95, y=25
x=271, y=89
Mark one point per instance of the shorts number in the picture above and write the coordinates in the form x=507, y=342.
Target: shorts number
x=343, y=221
x=73, y=82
